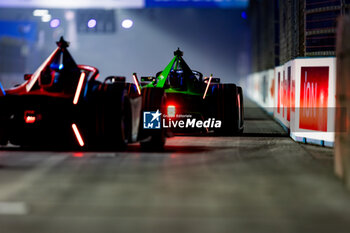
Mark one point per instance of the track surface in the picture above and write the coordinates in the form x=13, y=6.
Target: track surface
x=259, y=182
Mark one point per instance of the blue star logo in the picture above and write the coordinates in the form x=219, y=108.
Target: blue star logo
x=151, y=120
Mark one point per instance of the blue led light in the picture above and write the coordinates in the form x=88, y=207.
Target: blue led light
x=198, y=3
x=92, y=23
x=2, y=90
x=55, y=23
x=244, y=15
x=127, y=23
x=60, y=67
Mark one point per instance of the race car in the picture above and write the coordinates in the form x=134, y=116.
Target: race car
x=191, y=103
x=63, y=105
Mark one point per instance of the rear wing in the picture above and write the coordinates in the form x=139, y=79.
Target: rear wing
x=146, y=80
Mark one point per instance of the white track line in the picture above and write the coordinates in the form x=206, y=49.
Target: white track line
x=13, y=208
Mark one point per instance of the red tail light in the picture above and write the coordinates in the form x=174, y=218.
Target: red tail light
x=77, y=135
x=171, y=110
x=29, y=117
x=2, y=91
x=137, y=83
x=208, y=84
x=79, y=87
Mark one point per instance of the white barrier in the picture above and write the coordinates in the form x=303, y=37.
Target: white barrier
x=314, y=117
x=261, y=89
x=302, y=97
x=282, y=98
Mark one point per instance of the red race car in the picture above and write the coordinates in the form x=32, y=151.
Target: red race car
x=63, y=105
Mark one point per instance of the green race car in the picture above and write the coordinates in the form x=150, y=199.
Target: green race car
x=188, y=103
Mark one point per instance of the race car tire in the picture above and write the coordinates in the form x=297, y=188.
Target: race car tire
x=113, y=120
x=226, y=102
x=3, y=136
x=4, y=124
x=153, y=99
x=240, y=110
x=117, y=121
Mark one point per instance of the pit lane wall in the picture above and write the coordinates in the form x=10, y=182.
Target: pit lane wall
x=300, y=95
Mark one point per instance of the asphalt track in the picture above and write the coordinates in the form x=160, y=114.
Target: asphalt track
x=261, y=181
